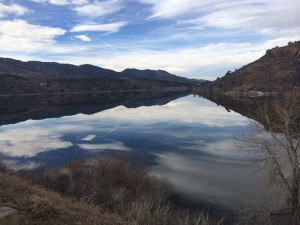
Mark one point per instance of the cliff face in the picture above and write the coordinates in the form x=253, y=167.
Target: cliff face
x=277, y=71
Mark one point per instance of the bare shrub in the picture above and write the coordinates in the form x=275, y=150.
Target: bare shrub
x=121, y=186
x=40, y=208
x=37, y=205
x=148, y=211
x=197, y=218
x=279, y=148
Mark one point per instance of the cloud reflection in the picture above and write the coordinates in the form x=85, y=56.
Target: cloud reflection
x=189, y=140
x=213, y=181
x=17, y=165
x=185, y=124
x=88, y=138
x=30, y=142
x=184, y=110
x=117, y=146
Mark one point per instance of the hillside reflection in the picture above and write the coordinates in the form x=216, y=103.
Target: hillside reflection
x=274, y=136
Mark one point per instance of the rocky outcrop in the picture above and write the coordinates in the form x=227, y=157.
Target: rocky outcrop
x=292, y=50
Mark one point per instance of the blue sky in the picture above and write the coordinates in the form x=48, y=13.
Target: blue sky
x=192, y=38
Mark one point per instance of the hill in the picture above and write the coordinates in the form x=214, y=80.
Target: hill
x=275, y=72
x=156, y=75
x=53, y=70
x=35, y=78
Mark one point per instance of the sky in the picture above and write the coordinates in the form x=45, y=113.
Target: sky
x=193, y=38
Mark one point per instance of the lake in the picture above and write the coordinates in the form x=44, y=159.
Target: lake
x=186, y=138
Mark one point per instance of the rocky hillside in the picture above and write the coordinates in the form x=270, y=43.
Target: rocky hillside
x=277, y=71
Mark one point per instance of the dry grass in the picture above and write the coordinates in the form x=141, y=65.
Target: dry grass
x=107, y=181
x=108, y=190
x=39, y=206
x=123, y=187
x=116, y=183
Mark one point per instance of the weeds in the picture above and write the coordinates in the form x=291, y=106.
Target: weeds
x=123, y=187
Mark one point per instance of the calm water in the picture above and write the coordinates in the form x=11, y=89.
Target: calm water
x=189, y=140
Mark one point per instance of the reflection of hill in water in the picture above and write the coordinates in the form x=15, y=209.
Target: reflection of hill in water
x=22, y=108
x=255, y=107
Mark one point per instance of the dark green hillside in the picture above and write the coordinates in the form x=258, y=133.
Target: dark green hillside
x=51, y=70
x=156, y=75
x=33, y=77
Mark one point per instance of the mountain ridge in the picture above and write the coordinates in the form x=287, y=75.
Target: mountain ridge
x=19, y=78
x=53, y=70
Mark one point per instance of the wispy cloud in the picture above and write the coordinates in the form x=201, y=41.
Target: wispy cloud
x=216, y=59
x=245, y=14
x=12, y=9
x=83, y=37
x=99, y=8
x=88, y=8
x=63, y=2
x=173, y=8
x=109, y=27
x=255, y=17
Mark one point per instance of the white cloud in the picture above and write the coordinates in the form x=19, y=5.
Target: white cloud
x=63, y=2
x=99, y=8
x=263, y=15
x=173, y=8
x=239, y=32
x=83, y=37
x=209, y=61
x=87, y=8
x=13, y=9
x=20, y=35
x=109, y=27
x=245, y=14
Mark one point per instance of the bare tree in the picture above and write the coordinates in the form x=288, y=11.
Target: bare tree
x=277, y=138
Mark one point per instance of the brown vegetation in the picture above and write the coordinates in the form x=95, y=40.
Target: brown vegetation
x=36, y=205
x=127, y=191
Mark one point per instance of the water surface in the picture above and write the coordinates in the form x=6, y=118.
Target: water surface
x=190, y=140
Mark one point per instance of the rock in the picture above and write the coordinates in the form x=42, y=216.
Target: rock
x=8, y=216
